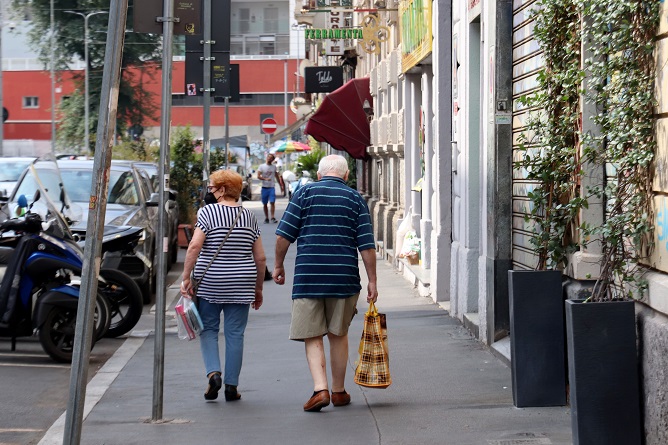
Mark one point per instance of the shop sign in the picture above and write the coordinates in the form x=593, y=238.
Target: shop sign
x=416, y=33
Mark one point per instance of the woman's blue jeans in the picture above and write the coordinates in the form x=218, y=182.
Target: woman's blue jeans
x=235, y=318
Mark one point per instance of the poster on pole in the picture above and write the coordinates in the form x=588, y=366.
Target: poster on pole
x=146, y=14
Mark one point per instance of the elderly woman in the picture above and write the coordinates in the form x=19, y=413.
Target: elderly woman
x=233, y=282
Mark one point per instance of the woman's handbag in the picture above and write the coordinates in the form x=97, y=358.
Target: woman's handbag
x=373, y=367
x=194, y=282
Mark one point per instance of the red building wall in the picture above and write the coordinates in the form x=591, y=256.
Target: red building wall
x=256, y=76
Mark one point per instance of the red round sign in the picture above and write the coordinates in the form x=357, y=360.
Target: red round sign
x=268, y=126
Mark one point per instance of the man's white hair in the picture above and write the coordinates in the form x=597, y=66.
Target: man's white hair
x=333, y=165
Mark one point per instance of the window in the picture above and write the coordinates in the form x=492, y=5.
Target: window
x=30, y=102
x=271, y=20
x=244, y=20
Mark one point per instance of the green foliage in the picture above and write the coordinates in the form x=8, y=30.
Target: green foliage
x=352, y=176
x=309, y=162
x=135, y=151
x=134, y=103
x=186, y=174
x=550, y=145
x=623, y=73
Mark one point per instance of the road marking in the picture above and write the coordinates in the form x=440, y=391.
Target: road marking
x=26, y=365
x=20, y=430
x=17, y=354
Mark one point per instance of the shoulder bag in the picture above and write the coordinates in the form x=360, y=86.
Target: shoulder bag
x=194, y=282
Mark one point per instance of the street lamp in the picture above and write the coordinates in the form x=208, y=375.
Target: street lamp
x=86, y=111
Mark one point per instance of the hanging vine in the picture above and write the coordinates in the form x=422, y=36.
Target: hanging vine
x=622, y=68
x=550, y=145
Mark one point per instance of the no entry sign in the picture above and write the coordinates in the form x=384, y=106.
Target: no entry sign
x=268, y=126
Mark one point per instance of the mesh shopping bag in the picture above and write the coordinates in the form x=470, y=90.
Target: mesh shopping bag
x=373, y=366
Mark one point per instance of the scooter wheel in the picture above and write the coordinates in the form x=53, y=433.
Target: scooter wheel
x=57, y=333
x=125, y=301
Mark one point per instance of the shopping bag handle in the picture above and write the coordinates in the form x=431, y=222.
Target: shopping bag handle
x=372, y=309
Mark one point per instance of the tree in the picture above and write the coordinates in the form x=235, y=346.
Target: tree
x=140, y=50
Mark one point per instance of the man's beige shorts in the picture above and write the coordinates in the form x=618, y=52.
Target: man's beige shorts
x=315, y=317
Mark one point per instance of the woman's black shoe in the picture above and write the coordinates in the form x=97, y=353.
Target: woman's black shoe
x=215, y=383
x=231, y=393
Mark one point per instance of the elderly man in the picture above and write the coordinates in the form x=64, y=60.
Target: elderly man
x=331, y=223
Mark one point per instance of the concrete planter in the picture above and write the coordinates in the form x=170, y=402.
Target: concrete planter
x=603, y=372
x=537, y=338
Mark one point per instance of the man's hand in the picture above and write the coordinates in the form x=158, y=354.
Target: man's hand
x=258, y=299
x=372, y=293
x=278, y=275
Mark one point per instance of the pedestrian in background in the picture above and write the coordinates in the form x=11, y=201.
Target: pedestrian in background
x=268, y=174
x=331, y=223
x=233, y=282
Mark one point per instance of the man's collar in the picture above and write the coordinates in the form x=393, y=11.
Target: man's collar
x=333, y=178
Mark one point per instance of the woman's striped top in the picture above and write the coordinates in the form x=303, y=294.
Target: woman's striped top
x=231, y=277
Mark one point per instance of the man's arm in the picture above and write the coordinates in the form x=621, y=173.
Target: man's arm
x=369, y=259
x=282, y=246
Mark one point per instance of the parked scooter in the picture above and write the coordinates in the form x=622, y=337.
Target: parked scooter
x=35, y=296
x=40, y=287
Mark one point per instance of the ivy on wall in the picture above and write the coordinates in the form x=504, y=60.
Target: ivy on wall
x=550, y=145
x=622, y=70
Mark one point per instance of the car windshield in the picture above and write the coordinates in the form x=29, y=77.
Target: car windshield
x=10, y=170
x=122, y=187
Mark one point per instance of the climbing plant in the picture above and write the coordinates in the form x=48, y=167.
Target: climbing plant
x=549, y=150
x=622, y=67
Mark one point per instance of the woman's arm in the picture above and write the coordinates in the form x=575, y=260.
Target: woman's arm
x=192, y=253
x=260, y=264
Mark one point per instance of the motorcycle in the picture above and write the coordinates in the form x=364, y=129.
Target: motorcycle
x=40, y=286
x=35, y=295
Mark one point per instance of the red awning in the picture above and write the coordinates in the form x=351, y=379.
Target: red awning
x=341, y=121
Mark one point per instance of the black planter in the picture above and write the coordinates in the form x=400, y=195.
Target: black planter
x=537, y=338
x=603, y=372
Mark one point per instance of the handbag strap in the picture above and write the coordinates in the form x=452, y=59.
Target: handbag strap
x=241, y=209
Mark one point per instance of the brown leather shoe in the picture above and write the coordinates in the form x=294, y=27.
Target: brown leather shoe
x=340, y=398
x=317, y=401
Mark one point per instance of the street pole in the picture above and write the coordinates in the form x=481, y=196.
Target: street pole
x=227, y=129
x=206, y=123
x=165, y=121
x=2, y=136
x=86, y=111
x=83, y=335
x=53, y=77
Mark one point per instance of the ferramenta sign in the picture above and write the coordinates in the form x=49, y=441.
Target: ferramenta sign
x=333, y=33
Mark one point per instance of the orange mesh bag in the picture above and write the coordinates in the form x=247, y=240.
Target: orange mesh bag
x=373, y=366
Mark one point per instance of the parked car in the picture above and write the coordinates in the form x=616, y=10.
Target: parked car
x=130, y=202
x=246, y=190
x=172, y=209
x=10, y=172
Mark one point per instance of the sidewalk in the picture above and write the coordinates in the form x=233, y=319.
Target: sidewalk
x=447, y=387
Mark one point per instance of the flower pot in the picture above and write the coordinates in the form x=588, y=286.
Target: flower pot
x=537, y=338
x=603, y=372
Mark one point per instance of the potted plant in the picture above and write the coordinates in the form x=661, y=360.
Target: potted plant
x=549, y=160
x=601, y=330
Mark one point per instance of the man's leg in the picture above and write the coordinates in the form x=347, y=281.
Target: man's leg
x=338, y=355
x=315, y=356
x=265, y=201
x=266, y=211
x=273, y=209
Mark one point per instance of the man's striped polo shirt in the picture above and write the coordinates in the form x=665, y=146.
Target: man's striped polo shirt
x=330, y=222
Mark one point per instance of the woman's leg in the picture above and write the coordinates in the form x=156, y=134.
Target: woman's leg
x=235, y=318
x=210, y=314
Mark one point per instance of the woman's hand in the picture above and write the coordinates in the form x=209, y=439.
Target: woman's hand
x=258, y=299
x=186, y=288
